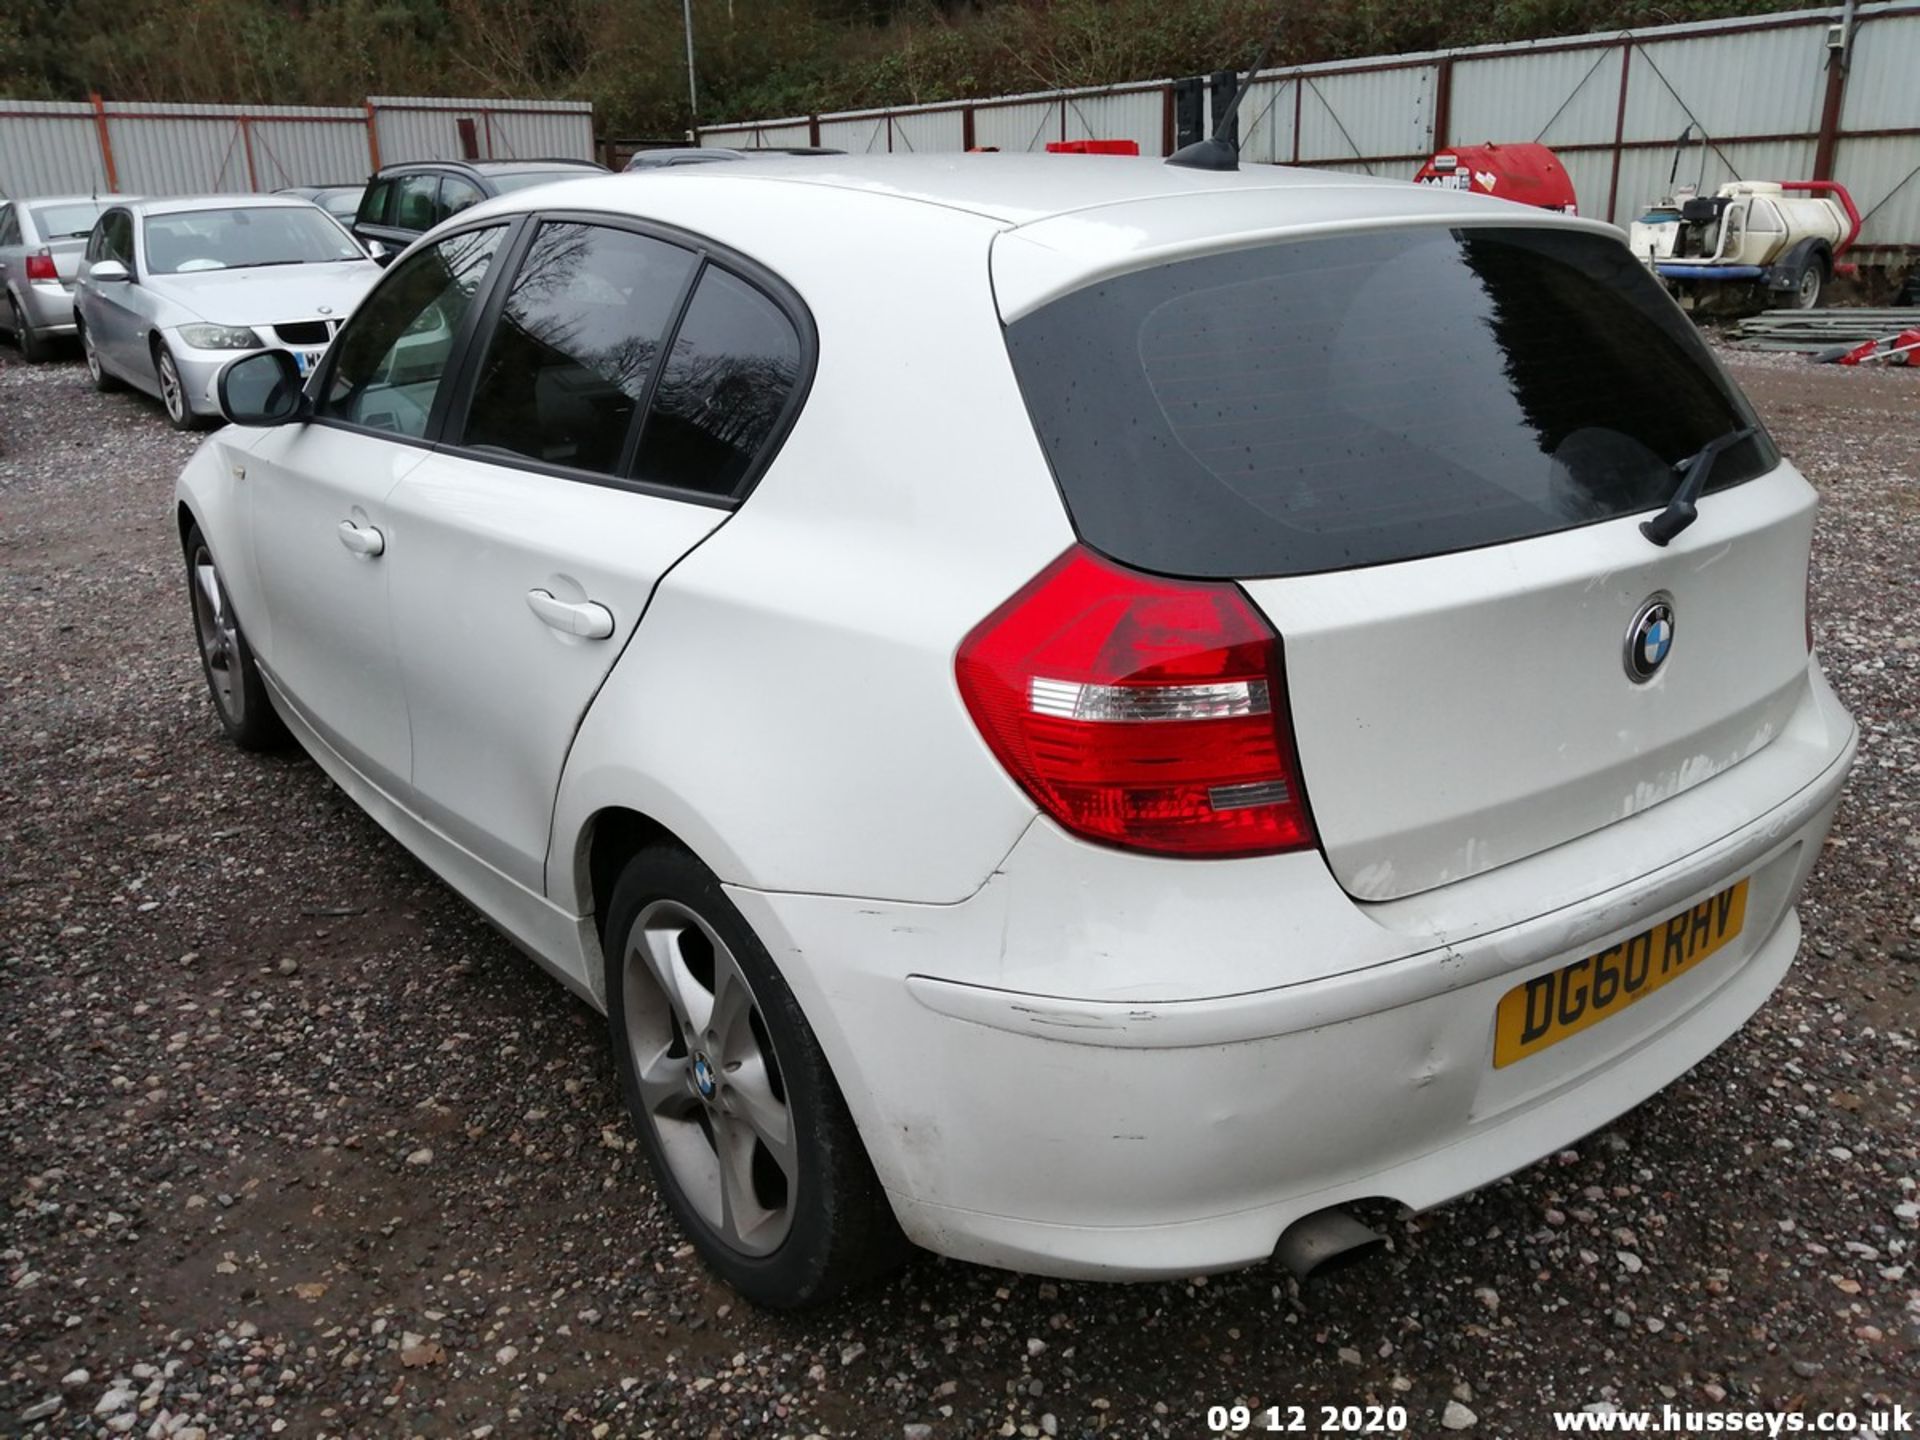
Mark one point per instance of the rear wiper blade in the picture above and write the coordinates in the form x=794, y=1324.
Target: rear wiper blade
x=1694, y=472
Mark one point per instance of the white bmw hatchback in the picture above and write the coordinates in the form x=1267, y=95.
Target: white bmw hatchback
x=1080, y=713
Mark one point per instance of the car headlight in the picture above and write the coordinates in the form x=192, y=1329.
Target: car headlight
x=219, y=337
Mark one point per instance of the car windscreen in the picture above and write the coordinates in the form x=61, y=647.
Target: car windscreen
x=243, y=237
x=526, y=179
x=1370, y=397
x=70, y=220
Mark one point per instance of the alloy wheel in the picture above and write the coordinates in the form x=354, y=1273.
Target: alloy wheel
x=708, y=1079
x=172, y=394
x=93, y=355
x=219, y=636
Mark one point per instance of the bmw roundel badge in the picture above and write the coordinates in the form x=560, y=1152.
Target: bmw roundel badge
x=1650, y=637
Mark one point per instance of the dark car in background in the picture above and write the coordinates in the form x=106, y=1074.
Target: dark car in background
x=403, y=202
x=342, y=202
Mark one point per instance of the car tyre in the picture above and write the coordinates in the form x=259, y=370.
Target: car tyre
x=103, y=382
x=173, y=390
x=747, y=1134
x=239, y=693
x=34, y=346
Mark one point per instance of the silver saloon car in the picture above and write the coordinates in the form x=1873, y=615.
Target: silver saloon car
x=170, y=290
x=40, y=245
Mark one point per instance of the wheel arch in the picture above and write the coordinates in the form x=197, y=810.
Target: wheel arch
x=611, y=837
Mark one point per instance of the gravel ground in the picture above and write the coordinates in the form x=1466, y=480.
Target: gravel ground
x=290, y=1142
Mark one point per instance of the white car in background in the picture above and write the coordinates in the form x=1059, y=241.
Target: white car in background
x=171, y=290
x=1084, y=713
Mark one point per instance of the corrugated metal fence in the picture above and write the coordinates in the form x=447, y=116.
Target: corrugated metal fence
x=66, y=147
x=1777, y=97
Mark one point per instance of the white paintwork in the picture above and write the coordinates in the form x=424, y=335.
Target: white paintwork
x=1060, y=1056
x=1457, y=713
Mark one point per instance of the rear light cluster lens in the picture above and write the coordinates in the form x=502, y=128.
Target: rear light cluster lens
x=40, y=267
x=1145, y=713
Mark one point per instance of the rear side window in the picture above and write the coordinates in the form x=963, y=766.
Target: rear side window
x=415, y=207
x=735, y=362
x=456, y=194
x=1329, y=403
x=576, y=344
x=9, y=227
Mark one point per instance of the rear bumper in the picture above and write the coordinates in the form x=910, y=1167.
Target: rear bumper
x=48, y=307
x=1111, y=1125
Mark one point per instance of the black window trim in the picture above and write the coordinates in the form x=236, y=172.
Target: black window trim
x=515, y=227
x=706, y=253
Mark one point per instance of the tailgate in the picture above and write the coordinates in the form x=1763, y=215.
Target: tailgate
x=1459, y=712
x=1425, y=452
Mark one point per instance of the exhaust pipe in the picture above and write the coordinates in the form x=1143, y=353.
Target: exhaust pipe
x=1325, y=1240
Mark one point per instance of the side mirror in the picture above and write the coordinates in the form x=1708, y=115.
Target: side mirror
x=261, y=389
x=380, y=254
x=107, y=271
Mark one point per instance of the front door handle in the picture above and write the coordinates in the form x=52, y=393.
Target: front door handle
x=362, y=539
x=588, y=620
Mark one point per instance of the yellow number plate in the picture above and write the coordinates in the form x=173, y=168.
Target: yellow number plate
x=1550, y=1007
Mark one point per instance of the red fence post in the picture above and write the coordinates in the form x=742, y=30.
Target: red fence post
x=106, y=140
x=1442, y=104
x=1619, y=126
x=373, y=136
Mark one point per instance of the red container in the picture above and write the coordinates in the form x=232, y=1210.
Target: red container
x=1093, y=147
x=1527, y=172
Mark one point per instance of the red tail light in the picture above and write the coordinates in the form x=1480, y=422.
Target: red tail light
x=40, y=267
x=1145, y=713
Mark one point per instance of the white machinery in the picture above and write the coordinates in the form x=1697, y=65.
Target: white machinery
x=1758, y=241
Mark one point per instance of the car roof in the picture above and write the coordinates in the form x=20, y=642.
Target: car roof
x=495, y=167
x=1024, y=189
x=102, y=200
x=182, y=204
x=1062, y=221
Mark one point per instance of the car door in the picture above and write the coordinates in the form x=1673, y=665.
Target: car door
x=113, y=314
x=538, y=531
x=324, y=540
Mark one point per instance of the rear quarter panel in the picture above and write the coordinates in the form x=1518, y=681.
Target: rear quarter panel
x=787, y=706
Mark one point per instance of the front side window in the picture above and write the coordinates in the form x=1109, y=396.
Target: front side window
x=735, y=361
x=1324, y=404
x=244, y=238
x=391, y=359
x=117, y=237
x=576, y=344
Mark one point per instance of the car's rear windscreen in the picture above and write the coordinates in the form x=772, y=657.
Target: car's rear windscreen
x=1370, y=397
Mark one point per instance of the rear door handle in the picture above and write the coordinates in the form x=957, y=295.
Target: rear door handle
x=362, y=539
x=586, y=618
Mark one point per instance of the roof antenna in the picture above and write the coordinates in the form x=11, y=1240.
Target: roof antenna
x=1216, y=152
